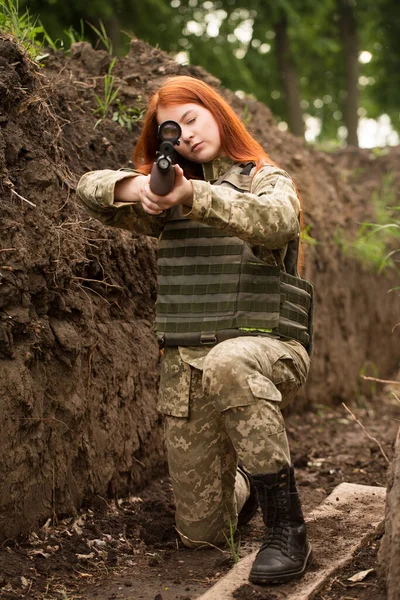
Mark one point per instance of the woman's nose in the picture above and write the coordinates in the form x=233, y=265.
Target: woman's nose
x=187, y=134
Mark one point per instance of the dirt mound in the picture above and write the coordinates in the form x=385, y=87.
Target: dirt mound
x=79, y=362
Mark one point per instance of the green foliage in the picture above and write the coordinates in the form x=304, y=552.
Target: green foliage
x=381, y=28
x=377, y=245
x=74, y=36
x=306, y=237
x=126, y=116
x=101, y=33
x=26, y=29
x=110, y=95
x=234, y=547
x=235, y=40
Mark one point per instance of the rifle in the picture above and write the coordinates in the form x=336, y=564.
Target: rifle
x=162, y=178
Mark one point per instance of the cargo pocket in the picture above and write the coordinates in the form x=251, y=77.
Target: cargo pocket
x=174, y=391
x=262, y=387
x=287, y=378
x=265, y=391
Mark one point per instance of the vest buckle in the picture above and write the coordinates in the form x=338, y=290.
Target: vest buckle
x=208, y=339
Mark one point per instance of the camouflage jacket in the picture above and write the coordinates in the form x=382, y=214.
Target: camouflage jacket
x=265, y=216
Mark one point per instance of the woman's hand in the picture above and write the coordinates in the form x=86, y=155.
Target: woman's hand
x=129, y=189
x=182, y=193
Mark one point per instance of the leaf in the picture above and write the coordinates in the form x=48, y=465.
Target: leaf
x=360, y=576
x=85, y=556
x=39, y=553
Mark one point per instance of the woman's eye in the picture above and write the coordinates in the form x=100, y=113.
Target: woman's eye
x=191, y=120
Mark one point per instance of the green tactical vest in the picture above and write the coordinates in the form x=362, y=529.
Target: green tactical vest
x=211, y=287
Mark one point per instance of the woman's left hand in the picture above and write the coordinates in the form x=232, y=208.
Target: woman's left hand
x=181, y=193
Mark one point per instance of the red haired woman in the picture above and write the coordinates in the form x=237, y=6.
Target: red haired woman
x=233, y=316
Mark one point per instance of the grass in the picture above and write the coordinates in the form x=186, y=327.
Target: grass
x=75, y=36
x=126, y=116
x=27, y=30
x=306, y=237
x=233, y=545
x=110, y=95
x=377, y=245
x=123, y=115
x=33, y=38
x=101, y=33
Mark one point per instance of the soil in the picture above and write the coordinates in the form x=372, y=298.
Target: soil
x=85, y=503
x=128, y=549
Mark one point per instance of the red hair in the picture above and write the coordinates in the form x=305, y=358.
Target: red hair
x=236, y=141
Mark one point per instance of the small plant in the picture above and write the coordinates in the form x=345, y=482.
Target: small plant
x=377, y=244
x=306, y=237
x=378, y=152
x=101, y=33
x=126, y=116
x=28, y=31
x=246, y=116
x=110, y=94
x=75, y=36
x=234, y=547
x=23, y=27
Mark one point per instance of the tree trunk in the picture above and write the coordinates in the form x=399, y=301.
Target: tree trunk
x=348, y=35
x=288, y=75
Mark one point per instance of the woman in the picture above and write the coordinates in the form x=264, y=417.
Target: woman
x=233, y=317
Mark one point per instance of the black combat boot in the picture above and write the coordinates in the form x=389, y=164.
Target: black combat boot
x=251, y=505
x=285, y=551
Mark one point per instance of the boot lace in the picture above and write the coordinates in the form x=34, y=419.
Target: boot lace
x=277, y=519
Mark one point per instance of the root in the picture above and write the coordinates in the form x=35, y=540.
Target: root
x=22, y=198
x=388, y=381
x=366, y=432
x=102, y=282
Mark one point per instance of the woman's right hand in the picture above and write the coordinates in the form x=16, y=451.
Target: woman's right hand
x=130, y=188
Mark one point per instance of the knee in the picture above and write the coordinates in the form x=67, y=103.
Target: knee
x=223, y=368
x=235, y=375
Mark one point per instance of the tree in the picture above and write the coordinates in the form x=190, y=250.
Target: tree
x=382, y=73
x=299, y=57
x=348, y=33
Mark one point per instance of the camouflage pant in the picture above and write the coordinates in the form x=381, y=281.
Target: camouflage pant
x=221, y=404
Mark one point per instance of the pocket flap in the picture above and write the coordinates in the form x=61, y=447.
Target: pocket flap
x=262, y=387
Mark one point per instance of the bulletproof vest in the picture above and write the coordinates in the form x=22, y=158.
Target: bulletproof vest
x=212, y=287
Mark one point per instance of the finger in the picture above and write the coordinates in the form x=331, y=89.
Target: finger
x=178, y=174
x=151, y=206
x=154, y=213
x=150, y=211
x=151, y=196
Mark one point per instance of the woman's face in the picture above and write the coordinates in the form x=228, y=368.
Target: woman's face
x=201, y=140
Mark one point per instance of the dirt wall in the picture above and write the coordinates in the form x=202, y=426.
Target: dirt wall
x=389, y=551
x=79, y=362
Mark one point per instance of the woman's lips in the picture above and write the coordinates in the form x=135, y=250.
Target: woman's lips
x=196, y=146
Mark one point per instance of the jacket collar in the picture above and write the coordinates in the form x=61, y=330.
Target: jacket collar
x=216, y=168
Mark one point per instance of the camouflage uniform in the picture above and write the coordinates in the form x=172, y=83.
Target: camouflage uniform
x=225, y=401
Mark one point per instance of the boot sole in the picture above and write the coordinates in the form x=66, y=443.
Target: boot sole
x=282, y=577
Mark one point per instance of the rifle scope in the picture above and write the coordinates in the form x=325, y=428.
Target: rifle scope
x=162, y=175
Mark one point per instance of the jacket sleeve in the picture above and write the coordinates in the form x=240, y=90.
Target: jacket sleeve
x=266, y=216
x=96, y=192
